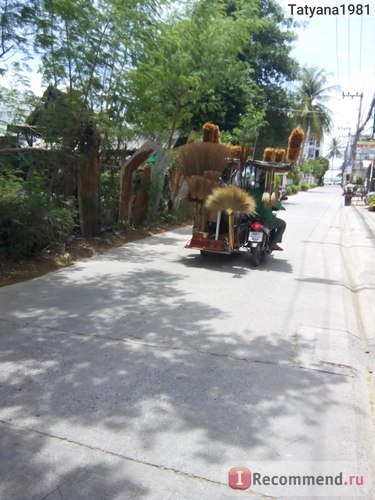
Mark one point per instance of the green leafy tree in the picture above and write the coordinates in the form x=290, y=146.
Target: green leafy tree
x=273, y=68
x=334, y=150
x=315, y=167
x=16, y=19
x=265, y=49
x=87, y=49
x=312, y=95
x=183, y=68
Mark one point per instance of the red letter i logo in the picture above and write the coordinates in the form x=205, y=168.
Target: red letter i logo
x=239, y=478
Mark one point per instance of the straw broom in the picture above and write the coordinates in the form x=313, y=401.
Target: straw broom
x=295, y=144
x=211, y=133
x=275, y=196
x=231, y=199
x=268, y=154
x=279, y=155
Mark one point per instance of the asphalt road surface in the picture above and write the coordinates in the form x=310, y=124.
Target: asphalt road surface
x=151, y=371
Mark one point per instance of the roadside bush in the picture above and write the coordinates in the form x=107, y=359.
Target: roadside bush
x=30, y=220
x=304, y=186
x=295, y=189
x=184, y=213
x=288, y=190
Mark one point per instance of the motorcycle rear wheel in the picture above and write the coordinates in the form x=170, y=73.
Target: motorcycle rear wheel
x=256, y=254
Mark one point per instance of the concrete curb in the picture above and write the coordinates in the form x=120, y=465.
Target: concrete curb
x=366, y=298
x=365, y=214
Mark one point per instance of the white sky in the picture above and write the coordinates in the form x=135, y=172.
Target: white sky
x=344, y=46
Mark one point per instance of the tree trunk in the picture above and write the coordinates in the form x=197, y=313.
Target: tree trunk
x=89, y=190
x=127, y=169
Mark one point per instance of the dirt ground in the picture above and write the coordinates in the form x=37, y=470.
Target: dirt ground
x=74, y=250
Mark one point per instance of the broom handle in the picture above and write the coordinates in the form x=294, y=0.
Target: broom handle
x=231, y=231
x=218, y=218
x=196, y=218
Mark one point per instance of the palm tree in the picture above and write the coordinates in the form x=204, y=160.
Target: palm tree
x=334, y=151
x=312, y=94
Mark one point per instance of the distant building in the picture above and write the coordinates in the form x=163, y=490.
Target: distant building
x=312, y=148
x=365, y=151
x=364, y=158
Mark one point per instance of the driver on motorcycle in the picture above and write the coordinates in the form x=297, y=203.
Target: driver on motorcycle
x=267, y=216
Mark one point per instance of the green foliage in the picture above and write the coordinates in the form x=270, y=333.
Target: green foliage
x=30, y=220
x=184, y=68
x=252, y=120
x=278, y=180
x=315, y=167
x=17, y=100
x=131, y=67
x=334, y=150
x=371, y=203
x=279, y=122
x=313, y=115
x=305, y=186
x=184, y=213
x=295, y=176
x=62, y=117
x=15, y=17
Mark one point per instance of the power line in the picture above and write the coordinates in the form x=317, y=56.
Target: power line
x=337, y=49
x=350, y=153
x=360, y=47
x=349, y=71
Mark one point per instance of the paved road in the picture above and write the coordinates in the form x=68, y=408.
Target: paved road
x=149, y=372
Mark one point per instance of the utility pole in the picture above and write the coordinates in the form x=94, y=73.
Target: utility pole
x=346, y=153
x=352, y=153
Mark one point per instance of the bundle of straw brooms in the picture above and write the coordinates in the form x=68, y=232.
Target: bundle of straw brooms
x=278, y=155
x=211, y=133
x=202, y=164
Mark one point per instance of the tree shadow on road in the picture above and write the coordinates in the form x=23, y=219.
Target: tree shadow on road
x=139, y=370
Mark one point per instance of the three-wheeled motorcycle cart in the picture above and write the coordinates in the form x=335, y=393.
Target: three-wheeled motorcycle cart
x=229, y=230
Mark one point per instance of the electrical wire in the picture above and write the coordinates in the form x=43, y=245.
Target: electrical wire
x=349, y=70
x=360, y=46
x=337, y=51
